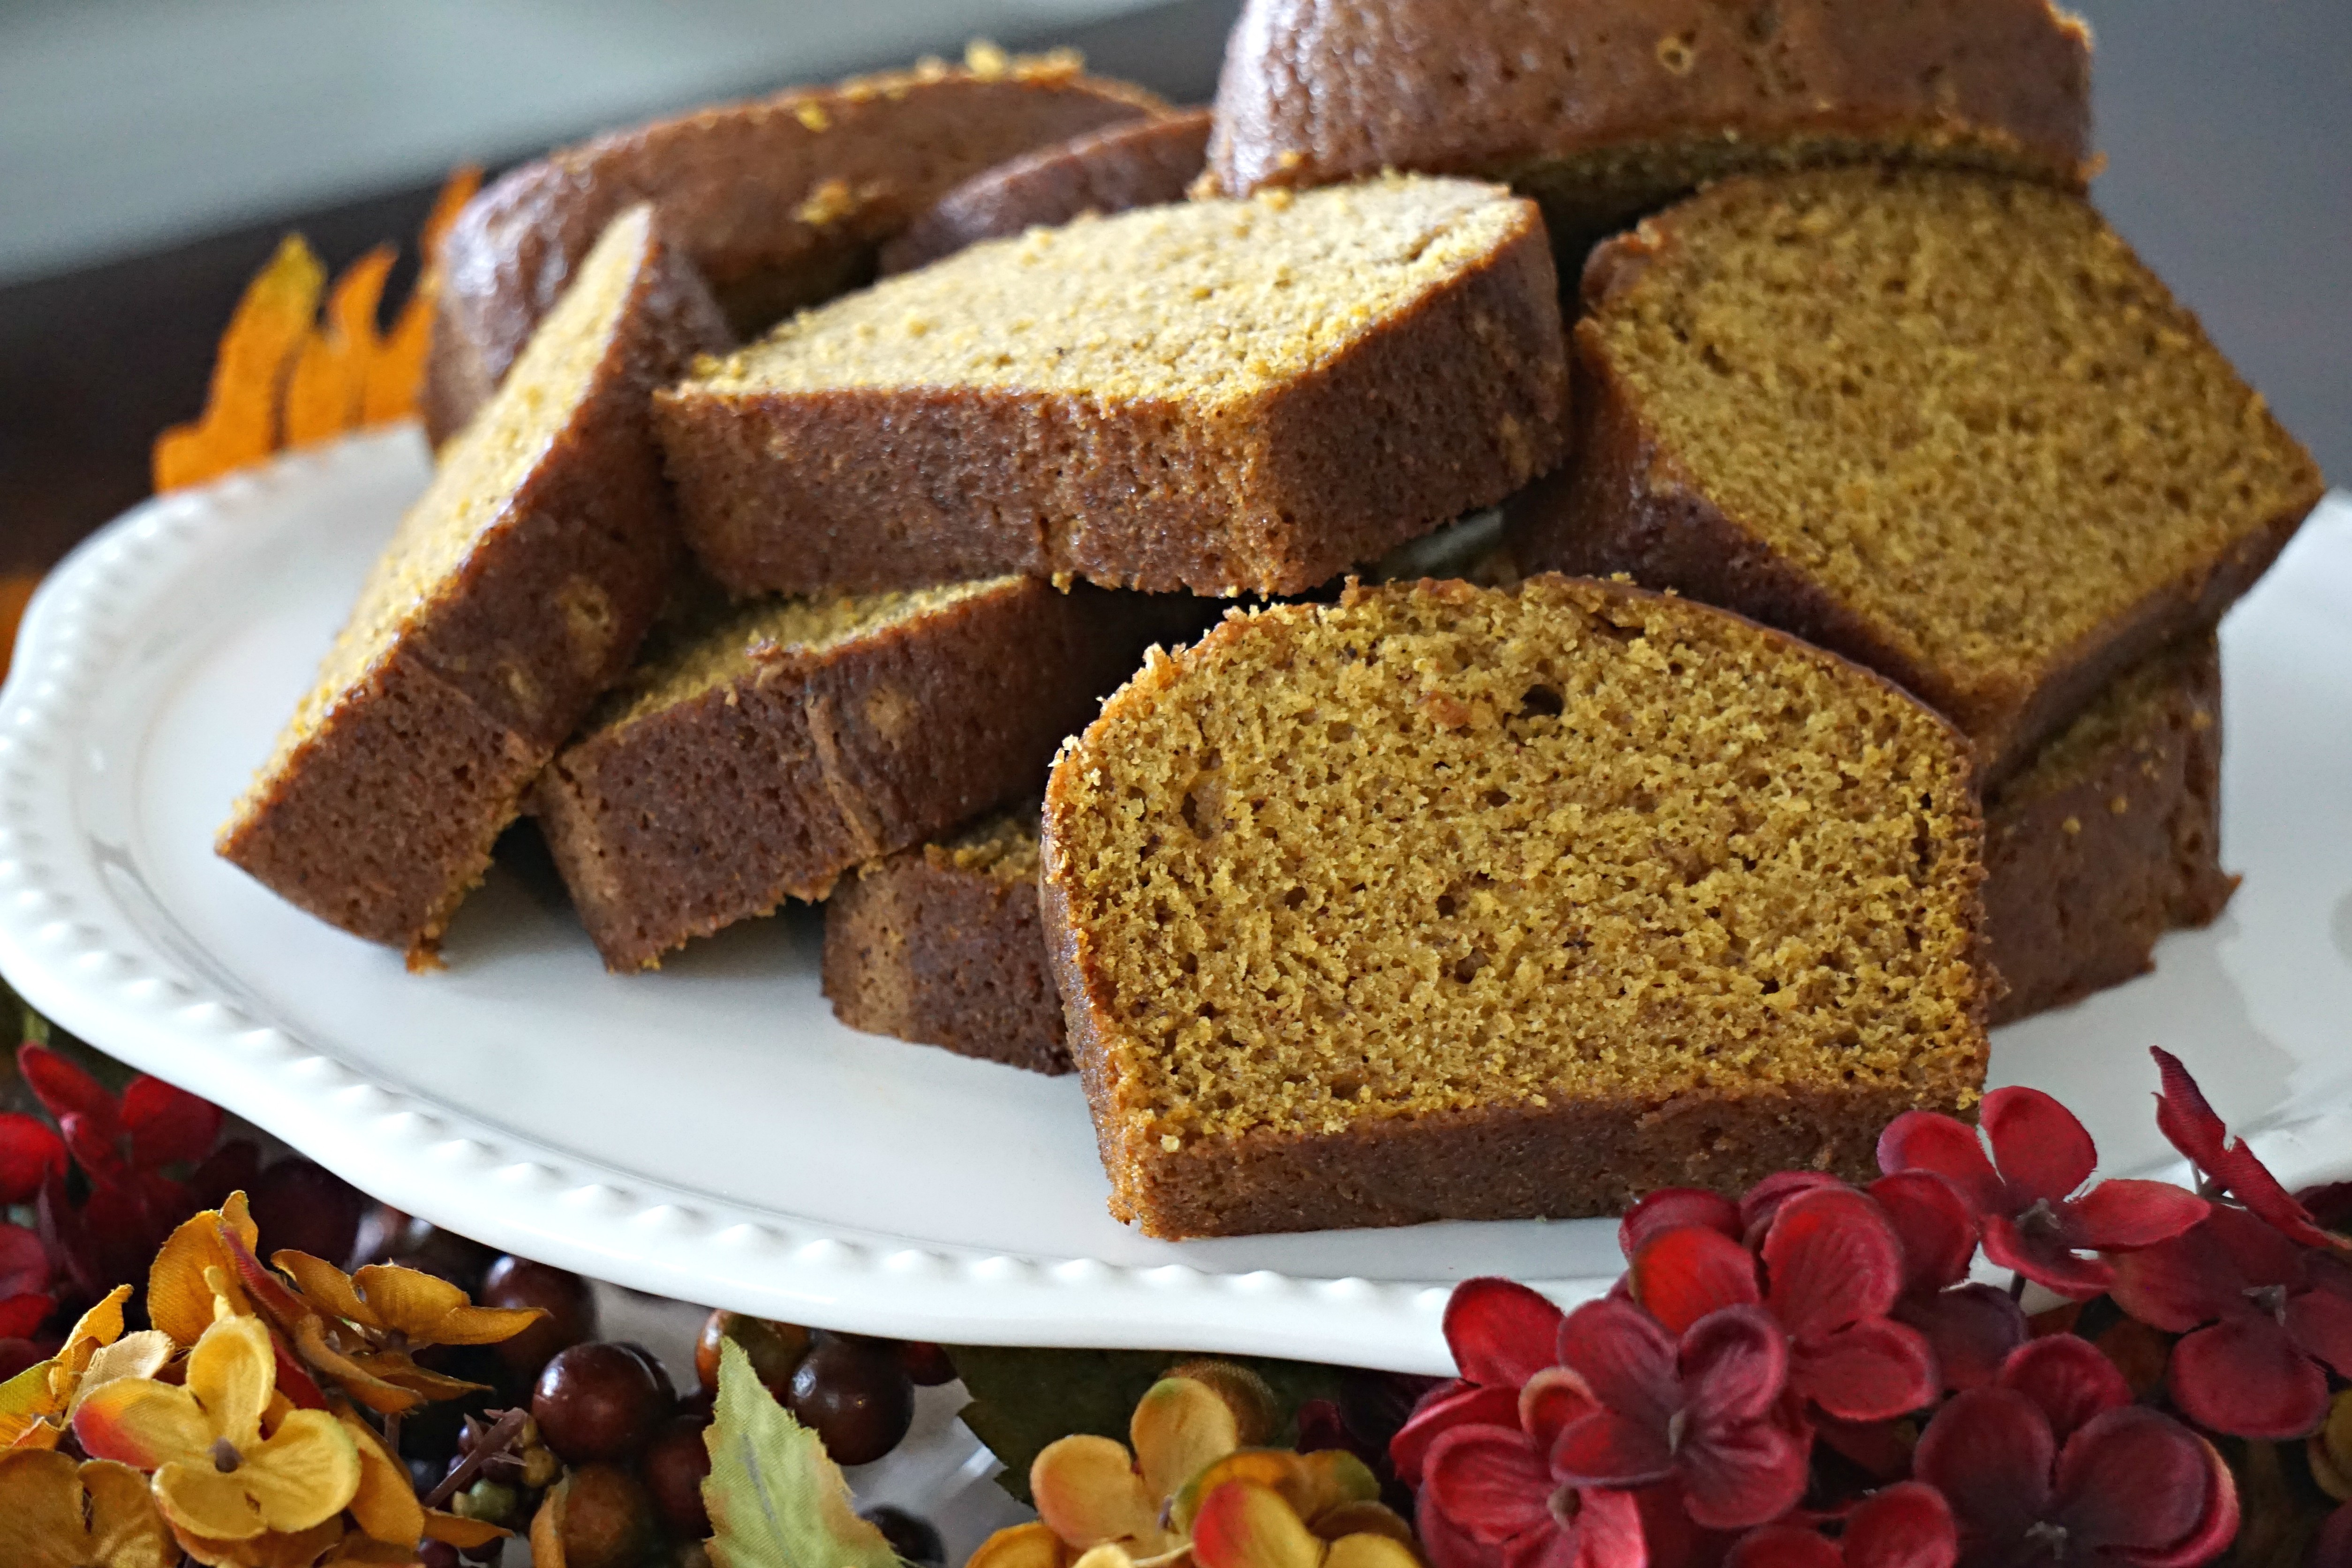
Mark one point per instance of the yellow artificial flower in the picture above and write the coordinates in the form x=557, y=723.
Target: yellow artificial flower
x=272, y=1549
x=218, y=1473
x=198, y=1266
x=386, y=1508
x=360, y=1329
x=56, y=1514
x=37, y=1402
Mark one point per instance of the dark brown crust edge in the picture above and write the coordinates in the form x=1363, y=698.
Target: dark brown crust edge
x=1447, y=407
x=1490, y=1162
x=384, y=819
x=720, y=808
x=1135, y=165
x=944, y=956
x=2077, y=891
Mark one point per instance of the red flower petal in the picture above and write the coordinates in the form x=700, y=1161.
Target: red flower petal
x=1870, y=1370
x=2132, y=1480
x=1609, y=1530
x=2041, y=1150
x=1626, y=1359
x=29, y=1149
x=1670, y=1208
x=1907, y=1525
x=2216, y=1530
x=2046, y=1263
x=1552, y=1399
x=2245, y=1377
x=92, y=1146
x=2182, y=1114
x=2259, y=1254
x=1682, y=1274
x=2068, y=1378
x=23, y=1262
x=1784, y=1546
x=1760, y=1204
x=2332, y=1548
x=2117, y=1216
x=1500, y=1331
x=1970, y=1328
x=1607, y=1450
x=64, y=1089
x=167, y=1124
x=2244, y=1176
x=22, y=1316
x=1924, y=1141
x=2179, y=1285
x=1935, y=1225
x=1440, y=1410
x=1733, y=1363
x=1742, y=1475
x=1490, y=1480
x=1832, y=1259
x=1988, y=1451
x=2320, y=1324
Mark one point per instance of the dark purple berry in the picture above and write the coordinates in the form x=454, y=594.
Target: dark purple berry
x=914, y=1537
x=674, y=1468
x=301, y=1206
x=855, y=1396
x=568, y=1301
x=598, y=1401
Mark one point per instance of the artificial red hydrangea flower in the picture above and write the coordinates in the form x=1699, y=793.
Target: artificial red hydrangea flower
x=1906, y=1525
x=1501, y=1334
x=2270, y=1318
x=1703, y=1412
x=1971, y=1328
x=1832, y=1267
x=2028, y=1197
x=2184, y=1116
x=1499, y=1487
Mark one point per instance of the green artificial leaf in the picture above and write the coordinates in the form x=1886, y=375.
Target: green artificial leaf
x=776, y=1498
x=1024, y=1399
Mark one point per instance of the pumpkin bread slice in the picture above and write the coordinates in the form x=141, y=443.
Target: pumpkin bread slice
x=1219, y=397
x=1945, y=424
x=511, y=595
x=1450, y=902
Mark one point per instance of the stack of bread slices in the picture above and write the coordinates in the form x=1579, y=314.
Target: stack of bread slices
x=820, y=479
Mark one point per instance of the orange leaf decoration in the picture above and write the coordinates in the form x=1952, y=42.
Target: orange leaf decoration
x=240, y=419
x=397, y=373
x=323, y=393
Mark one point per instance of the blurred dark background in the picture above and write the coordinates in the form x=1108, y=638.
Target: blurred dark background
x=151, y=152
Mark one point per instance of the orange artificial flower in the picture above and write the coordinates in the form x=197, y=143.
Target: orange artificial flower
x=218, y=1473
x=56, y=1514
x=385, y=1506
x=360, y=1329
x=198, y=1266
x=36, y=1404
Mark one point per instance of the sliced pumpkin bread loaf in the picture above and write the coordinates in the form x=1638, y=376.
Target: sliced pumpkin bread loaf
x=781, y=201
x=2110, y=837
x=1945, y=424
x=1138, y=164
x=1450, y=902
x=1604, y=108
x=761, y=751
x=512, y=594
x=1217, y=396
x=940, y=944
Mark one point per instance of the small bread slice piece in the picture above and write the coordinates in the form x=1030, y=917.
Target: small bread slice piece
x=1450, y=902
x=758, y=756
x=1945, y=424
x=1602, y=110
x=2110, y=837
x=1139, y=163
x=512, y=594
x=940, y=944
x=1219, y=397
x=781, y=201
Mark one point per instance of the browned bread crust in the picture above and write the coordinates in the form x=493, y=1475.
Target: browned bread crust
x=780, y=202
x=1449, y=402
x=940, y=944
x=2110, y=837
x=1632, y=503
x=1604, y=108
x=1349, y=931
x=672, y=822
x=378, y=811
x=1137, y=165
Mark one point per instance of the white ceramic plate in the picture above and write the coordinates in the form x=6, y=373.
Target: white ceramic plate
x=709, y=1133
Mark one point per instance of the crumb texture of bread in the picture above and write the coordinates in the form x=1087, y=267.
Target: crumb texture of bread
x=759, y=755
x=2110, y=837
x=1945, y=424
x=1346, y=899
x=781, y=201
x=513, y=594
x=1216, y=396
x=1139, y=163
x=941, y=945
x=1604, y=108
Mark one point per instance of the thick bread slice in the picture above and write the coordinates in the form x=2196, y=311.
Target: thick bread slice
x=1945, y=424
x=513, y=593
x=759, y=758
x=940, y=944
x=2110, y=837
x=781, y=201
x=1214, y=396
x=1448, y=903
